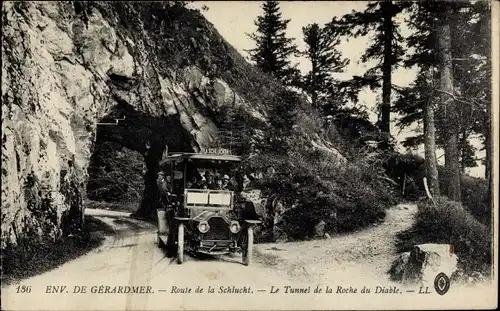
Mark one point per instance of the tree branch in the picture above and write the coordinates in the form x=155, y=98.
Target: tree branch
x=458, y=99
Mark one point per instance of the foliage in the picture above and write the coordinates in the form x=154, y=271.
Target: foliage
x=386, y=48
x=273, y=48
x=115, y=174
x=471, y=72
x=476, y=200
x=236, y=131
x=282, y=118
x=409, y=170
x=371, y=21
x=449, y=223
x=325, y=59
x=313, y=185
x=353, y=125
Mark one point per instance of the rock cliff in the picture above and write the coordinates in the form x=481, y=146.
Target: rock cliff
x=71, y=68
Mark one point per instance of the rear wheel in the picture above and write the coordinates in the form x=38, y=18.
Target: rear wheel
x=248, y=247
x=171, y=247
x=180, y=244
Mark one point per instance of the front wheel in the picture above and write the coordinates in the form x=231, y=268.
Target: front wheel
x=159, y=241
x=248, y=247
x=171, y=246
x=180, y=244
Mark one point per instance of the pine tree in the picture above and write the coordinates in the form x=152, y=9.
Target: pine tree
x=321, y=51
x=235, y=131
x=471, y=71
x=447, y=102
x=430, y=140
x=378, y=19
x=282, y=118
x=273, y=49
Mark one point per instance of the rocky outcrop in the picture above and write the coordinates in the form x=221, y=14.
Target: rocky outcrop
x=424, y=262
x=71, y=68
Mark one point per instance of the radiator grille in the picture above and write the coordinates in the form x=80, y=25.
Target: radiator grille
x=219, y=229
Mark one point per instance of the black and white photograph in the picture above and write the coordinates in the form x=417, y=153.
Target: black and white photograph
x=249, y=155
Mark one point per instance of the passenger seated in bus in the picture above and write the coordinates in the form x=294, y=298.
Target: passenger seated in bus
x=226, y=185
x=218, y=182
x=209, y=182
x=193, y=183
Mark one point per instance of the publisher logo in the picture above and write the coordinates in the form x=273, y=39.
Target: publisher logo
x=441, y=283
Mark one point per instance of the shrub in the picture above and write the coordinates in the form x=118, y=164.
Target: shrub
x=409, y=169
x=476, y=199
x=115, y=174
x=314, y=187
x=450, y=223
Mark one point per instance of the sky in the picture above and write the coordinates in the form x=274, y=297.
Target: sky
x=234, y=19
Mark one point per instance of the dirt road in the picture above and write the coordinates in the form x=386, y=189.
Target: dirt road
x=131, y=258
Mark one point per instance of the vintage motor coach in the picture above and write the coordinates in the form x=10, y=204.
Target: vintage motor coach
x=204, y=211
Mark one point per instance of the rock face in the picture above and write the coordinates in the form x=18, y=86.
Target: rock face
x=71, y=68
x=61, y=74
x=424, y=263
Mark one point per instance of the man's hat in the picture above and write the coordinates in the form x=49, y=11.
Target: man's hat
x=225, y=177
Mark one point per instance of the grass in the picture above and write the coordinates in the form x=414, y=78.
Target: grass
x=29, y=258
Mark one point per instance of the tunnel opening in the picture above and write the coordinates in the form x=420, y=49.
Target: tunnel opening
x=116, y=176
x=125, y=159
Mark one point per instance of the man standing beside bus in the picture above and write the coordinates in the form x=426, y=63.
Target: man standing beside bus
x=164, y=188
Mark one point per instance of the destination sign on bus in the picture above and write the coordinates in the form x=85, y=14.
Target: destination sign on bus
x=221, y=151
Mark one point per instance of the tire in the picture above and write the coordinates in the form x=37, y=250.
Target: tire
x=248, y=247
x=159, y=242
x=180, y=244
x=171, y=247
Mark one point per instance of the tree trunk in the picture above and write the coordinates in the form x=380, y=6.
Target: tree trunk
x=385, y=122
x=464, y=144
x=430, y=149
x=451, y=131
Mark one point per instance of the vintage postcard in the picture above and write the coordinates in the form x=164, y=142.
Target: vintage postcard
x=250, y=155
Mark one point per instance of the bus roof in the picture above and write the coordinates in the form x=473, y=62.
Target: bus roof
x=199, y=156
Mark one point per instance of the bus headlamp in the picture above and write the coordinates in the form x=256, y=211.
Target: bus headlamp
x=203, y=227
x=235, y=226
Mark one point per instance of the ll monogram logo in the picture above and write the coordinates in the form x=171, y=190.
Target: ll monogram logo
x=441, y=283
